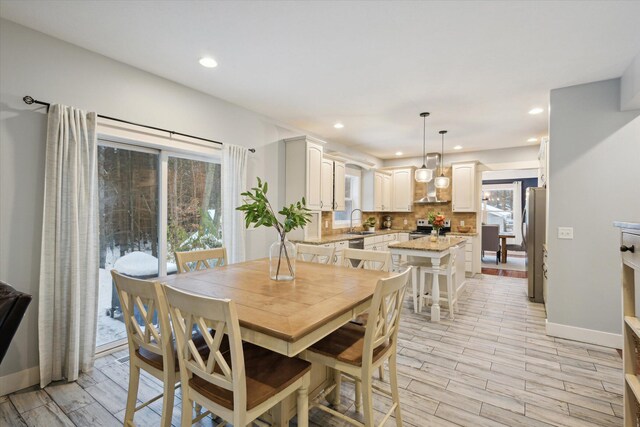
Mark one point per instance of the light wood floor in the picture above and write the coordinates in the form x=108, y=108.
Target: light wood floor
x=492, y=366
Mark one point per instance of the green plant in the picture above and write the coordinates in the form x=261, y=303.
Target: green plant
x=259, y=212
x=370, y=222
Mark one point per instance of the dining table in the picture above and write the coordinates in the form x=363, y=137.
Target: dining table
x=287, y=317
x=503, y=245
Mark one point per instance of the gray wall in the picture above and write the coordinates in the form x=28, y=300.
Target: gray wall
x=32, y=63
x=594, y=179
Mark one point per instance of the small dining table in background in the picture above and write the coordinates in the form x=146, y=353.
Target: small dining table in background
x=503, y=245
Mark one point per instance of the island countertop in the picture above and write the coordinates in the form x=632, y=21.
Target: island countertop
x=332, y=238
x=425, y=244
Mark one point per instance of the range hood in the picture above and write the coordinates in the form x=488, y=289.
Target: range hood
x=432, y=162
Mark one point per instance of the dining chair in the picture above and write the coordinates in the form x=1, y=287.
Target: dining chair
x=448, y=270
x=316, y=253
x=150, y=343
x=357, y=351
x=491, y=239
x=201, y=259
x=366, y=259
x=238, y=384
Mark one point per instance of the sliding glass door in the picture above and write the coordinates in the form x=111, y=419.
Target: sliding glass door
x=134, y=184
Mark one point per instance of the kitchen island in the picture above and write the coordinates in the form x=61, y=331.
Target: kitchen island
x=424, y=249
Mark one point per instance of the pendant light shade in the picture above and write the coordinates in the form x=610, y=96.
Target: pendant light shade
x=423, y=174
x=442, y=181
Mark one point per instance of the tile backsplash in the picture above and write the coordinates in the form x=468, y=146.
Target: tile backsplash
x=419, y=212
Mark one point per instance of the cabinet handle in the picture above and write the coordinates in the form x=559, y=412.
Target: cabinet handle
x=320, y=204
x=625, y=248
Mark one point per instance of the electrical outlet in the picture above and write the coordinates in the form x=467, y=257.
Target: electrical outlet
x=326, y=224
x=406, y=222
x=462, y=223
x=565, y=232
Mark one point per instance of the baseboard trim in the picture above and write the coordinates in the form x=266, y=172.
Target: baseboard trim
x=605, y=339
x=19, y=380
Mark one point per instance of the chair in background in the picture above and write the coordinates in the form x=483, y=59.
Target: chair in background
x=491, y=239
x=201, y=259
x=315, y=253
x=150, y=348
x=448, y=270
x=13, y=305
x=238, y=384
x=357, y=351
x=368, y=260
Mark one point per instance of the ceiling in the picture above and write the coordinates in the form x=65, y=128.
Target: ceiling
x=478, y=67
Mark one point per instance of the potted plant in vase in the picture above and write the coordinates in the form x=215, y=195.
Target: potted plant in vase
x=259, y=212
x=370, y=223
x=437, y=222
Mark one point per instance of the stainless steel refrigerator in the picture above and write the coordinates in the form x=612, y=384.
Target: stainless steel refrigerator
x=534, y=234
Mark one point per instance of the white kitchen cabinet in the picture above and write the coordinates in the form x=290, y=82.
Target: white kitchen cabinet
x=303, y=168
x=402, y=190
x=339, y=172
x=376, y=191
x=326, y=201
x=464, y=187
x=543, y=159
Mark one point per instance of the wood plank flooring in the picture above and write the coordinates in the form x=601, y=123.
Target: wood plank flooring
x=492, y=366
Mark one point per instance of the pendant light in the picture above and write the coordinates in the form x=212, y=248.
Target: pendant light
x=442, y=181
x=423, y=174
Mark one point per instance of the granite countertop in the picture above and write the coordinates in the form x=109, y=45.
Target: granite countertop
x=425, y=244
x=627, y=225
x=459, y=233
x=332, y=238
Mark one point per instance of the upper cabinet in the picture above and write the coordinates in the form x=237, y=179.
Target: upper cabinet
x=402, y=190
x=376, y=191
x=326, y=202
x=464, y=191
x=304, y=171
x=339, y=172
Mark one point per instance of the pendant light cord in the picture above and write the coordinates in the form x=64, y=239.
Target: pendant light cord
x=424, y=140
x=442, y=132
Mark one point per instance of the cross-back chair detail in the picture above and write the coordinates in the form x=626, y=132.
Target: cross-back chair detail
x=366, y=259
x=315, y=253
x=201, y=259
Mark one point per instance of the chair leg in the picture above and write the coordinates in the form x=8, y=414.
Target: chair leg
x=381, y=372
x=132, y=396
x=414, y=284
x=187, y=409
x=168, y=398
x=358, y=400
x=421, y=293
x=303, y=404
x=367, y=400
x=450, y=294
x=337, y=378
x=395, y=394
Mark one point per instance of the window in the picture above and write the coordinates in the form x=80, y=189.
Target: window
x=501, y=205
x=351, y=199
x=132, y=228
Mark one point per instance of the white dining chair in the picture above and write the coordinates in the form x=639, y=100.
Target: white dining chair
x=448, y=270
x=315, y=253
x=366, y=259
x=200, y=259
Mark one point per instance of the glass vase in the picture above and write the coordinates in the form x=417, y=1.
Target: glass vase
x=434, y=235
x=282, y=260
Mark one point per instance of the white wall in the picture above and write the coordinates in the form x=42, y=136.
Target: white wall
x=504, y=158
x=594, y=179
x=48, y=69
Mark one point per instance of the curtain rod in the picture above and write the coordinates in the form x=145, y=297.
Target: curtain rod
x=29, y=100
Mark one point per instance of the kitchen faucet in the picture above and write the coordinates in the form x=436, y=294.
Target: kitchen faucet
x=351, y=219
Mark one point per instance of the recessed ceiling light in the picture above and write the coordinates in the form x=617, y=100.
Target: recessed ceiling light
x=458, y=147
x=338, y=125
x=532, y=140
x=398, y=153
x=536, y=110
x=208, y=62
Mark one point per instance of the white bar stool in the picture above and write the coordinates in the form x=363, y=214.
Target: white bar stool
x=449, y=271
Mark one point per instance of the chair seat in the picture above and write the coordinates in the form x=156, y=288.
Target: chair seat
x=155, y=360
x=267, y=374
x=346, y=345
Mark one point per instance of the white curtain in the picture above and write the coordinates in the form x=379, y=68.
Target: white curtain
x=234, y=182
x=68, y=296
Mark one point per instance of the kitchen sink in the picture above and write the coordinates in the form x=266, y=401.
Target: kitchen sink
x=361, y=233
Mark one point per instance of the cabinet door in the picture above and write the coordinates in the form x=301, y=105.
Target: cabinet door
x=402, y=193
x=464, y=187
x=326, y=202
x=386, y=193
x=314, y=176
x=338, y=186
x=377, y=191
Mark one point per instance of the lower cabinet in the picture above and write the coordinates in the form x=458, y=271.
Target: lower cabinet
x=471, y=254
x=340, y=246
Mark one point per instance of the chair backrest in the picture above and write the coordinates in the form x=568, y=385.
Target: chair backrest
x=143, y=300
x=368, y=260
x=315, y=253
x=191, y=312
x=384, y=314
x=201, y=259
x=490, y=237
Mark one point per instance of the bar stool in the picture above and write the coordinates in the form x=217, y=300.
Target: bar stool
x=451, y=296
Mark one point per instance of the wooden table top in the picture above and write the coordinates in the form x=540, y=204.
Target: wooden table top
x=283, y=310
x=424, y=244
x=506, y=236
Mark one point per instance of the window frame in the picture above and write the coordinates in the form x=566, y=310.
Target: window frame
x=350, y=172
